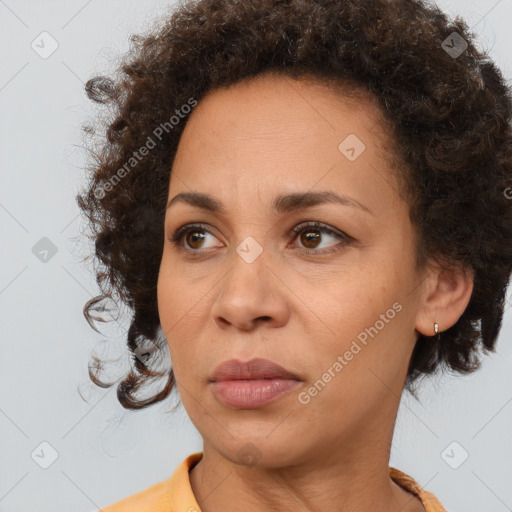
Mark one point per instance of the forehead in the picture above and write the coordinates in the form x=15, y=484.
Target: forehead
x=267, y=103
x=274, y=131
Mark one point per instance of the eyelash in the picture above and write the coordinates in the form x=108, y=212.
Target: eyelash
x=177, y=236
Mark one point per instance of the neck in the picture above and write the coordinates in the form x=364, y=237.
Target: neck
x=338, y=479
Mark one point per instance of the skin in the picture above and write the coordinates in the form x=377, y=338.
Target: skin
x=244, y=145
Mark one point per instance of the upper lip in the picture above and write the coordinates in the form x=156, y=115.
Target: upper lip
x=257, y=368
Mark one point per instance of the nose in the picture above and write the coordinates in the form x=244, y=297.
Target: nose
x=250, y=293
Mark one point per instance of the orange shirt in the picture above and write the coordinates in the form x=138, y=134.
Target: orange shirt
x=175, y=494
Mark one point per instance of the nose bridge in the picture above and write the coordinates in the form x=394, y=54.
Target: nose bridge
x=249, y=262
x=248, y=290
x=252, y=256
x=251, y=231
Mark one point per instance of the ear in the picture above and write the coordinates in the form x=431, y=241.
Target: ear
x=445, y=298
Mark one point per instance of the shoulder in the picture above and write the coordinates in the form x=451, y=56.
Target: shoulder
x=428, y=499
x=174, y=493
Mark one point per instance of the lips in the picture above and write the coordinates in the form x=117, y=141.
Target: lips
x=253, y=384
x=254, y=369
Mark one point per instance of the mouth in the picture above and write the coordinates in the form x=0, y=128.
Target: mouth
x=253, y=369
x=252, y=393
x=252, y=384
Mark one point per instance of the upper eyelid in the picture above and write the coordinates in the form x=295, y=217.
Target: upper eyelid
x=179, y=232
x=303, y=224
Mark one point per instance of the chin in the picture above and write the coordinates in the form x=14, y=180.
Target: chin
x=252, y=451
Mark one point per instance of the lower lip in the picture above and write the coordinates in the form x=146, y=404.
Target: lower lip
x=251, y=394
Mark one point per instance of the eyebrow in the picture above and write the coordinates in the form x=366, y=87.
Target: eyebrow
x=284, y=203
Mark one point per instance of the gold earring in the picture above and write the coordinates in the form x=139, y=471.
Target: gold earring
x=436, y=330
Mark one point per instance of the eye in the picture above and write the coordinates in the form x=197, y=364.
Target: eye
x=310, y=234
x=190, y=238
x=198, y=233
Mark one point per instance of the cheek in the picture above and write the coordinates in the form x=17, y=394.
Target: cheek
x=176, y=293
x=348, y=299
x=359, y=315
x=169, y=307
x=181, y=312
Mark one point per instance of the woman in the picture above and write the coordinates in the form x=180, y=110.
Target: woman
x=306, y=202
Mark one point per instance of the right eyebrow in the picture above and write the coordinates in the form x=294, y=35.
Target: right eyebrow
x=282, y=204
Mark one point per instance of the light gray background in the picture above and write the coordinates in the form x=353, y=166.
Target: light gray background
x=105, y=453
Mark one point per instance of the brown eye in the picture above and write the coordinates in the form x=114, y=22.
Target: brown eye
x=194, y=237
x=190, y=238
x=312, y=234
x=310, y=238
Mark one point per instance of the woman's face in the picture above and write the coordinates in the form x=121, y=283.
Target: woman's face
x=336, y=303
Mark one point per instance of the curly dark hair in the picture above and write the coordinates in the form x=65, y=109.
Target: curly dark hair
x=446, y=102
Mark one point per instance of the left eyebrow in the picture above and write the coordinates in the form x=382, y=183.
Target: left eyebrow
x=284, y=203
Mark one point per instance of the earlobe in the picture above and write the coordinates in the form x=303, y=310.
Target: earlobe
x=447, y=294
